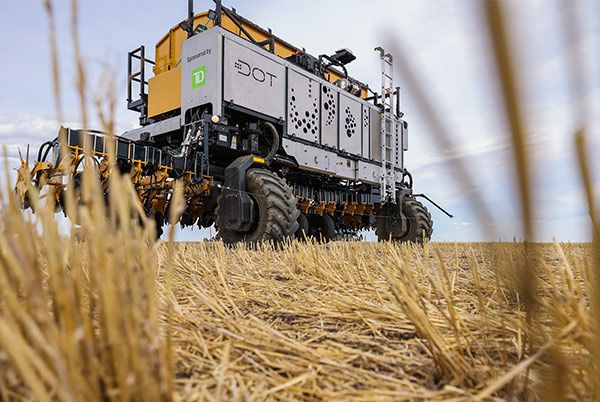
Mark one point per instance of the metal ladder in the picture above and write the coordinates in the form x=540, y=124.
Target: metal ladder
x=388, y=140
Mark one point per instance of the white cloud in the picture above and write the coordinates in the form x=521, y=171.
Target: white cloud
x=461, y=223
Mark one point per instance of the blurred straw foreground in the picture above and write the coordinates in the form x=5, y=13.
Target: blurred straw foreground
x=112, y=317
x=105, y=313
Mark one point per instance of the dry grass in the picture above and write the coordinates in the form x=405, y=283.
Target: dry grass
x=114, y=317
x=368, y=321
x=79, y=315
x=106, y=314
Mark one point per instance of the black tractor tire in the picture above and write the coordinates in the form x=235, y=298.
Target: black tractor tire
x=321, y=227
x=159, y=221
x=276, y=212
x=27, y=201
x=206, y=221
x=418, y=222
x=303, y=227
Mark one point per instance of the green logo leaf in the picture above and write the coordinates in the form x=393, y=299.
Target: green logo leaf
x=199, y=77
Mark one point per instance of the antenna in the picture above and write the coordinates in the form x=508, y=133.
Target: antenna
x=191, y=18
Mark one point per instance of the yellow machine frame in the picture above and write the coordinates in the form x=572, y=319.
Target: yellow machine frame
x=164, y=89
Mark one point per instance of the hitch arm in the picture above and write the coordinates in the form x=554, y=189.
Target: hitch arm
x=434, y=203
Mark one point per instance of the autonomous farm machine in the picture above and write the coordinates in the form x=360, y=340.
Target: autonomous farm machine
x=267, y=141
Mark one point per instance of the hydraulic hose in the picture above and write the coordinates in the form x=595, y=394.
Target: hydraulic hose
x=46, y=146
x=274, y=144
x=42, y=155
x=410, y=178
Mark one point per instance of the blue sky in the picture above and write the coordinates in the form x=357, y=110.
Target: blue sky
x=446, y=44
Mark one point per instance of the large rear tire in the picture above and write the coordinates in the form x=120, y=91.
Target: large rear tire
x=322, y=227
x=303, y=227
x=276, y=213
x=419, y=225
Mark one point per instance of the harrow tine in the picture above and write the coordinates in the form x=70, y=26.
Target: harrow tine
x=21, y=156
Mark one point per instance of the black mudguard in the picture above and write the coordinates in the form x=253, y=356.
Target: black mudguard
x=237, y=205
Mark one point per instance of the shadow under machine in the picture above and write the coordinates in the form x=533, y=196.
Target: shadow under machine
x=267, y=140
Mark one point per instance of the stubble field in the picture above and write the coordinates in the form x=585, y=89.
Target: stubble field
x=105, y=313
x=367, y=321
x=109, y=315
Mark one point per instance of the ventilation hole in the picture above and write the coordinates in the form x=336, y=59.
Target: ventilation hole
x=348, y=133
x=308, y=125
x=292, y=89
x=324, y=90
x=305, y=130
x=306, y=114
x=326, y=106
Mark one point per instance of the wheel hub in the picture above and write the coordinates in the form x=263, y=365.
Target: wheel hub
x=395, y=226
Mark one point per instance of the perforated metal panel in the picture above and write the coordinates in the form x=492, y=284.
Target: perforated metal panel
x=303, y=106
x=404, y=136
x=365, y=130
x=398, y=139
x=350, y=134
x=329, y=115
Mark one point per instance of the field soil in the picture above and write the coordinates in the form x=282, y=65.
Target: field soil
x=369, y=321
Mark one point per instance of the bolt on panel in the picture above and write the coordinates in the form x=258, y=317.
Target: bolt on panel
x=375, y=118
x=398, y=139
x=349, y=124
x=303, y=106
x=201, y=71
x=365, y=131
x=309, y=158
x=252, y=80
x=329, y=115
x=404, y=136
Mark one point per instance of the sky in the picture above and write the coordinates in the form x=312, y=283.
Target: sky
x=446, y=44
